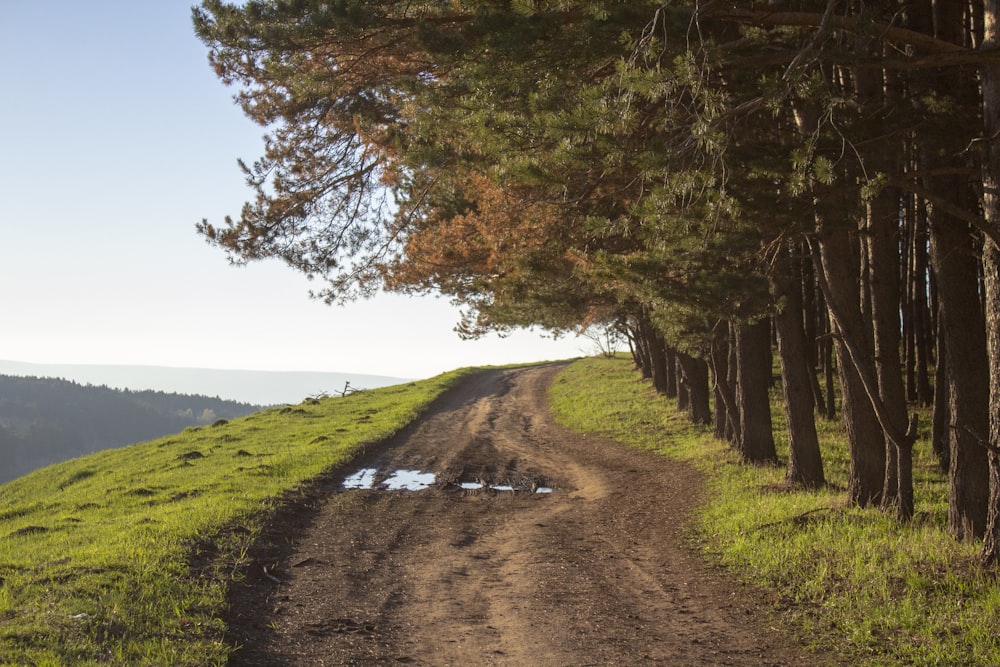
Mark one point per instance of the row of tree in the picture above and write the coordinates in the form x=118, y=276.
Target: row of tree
x=700, y=173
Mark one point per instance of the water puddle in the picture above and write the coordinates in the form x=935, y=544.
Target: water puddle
x=483, y=486
x=409, y=480
x=417, y=480
x=362, y=479
x=399, y=480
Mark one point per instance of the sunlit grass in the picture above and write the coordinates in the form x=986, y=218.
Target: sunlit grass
x=96, y=553
x=848, y=580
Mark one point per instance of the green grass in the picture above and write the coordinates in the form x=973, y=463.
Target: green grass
x=97, y=554
x=850, y=581
x=102, y=558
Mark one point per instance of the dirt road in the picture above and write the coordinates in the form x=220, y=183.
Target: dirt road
x=582, y=563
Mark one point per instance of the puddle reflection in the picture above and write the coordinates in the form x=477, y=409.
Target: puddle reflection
x=483, y=486
x=362, y=479
x=399, y=480
x=409, y=480
x=417, y=480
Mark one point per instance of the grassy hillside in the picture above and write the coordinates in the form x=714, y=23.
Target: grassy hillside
x=849, y=580
x=46, y=420
x=95, y=553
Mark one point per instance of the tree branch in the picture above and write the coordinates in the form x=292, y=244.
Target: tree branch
x=946, y=206
x=889, y=33
x=921, y=62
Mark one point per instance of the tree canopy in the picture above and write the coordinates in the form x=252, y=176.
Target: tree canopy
x=686, y=169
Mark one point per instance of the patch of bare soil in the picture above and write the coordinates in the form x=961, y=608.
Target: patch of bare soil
x=595, y=572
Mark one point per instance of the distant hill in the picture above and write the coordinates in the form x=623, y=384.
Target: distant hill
x=45, y=420
x=257, y=387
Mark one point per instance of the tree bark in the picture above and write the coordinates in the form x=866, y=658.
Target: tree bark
x=670, y=357
x=810, y=317
x=805, y=463
x=991, y=277
x=907, y=310
x=642, y=359
x=990, y=77
x=733, y=435
x=956, y=257
x=695, y=372
x=725, y=401
x=955, y=263
x=657, y=361
x=683, y=390
x=836, y=262
x=829, y=408
x=940, y=437
x=753, y=380
x=920, y=314
x=884, y=262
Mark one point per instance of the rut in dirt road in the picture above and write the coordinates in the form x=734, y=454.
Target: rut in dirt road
x=477, y=567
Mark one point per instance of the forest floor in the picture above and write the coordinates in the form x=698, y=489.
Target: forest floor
x=581, y=556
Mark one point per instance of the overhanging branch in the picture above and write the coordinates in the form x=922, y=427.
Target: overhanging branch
x=925, y=43
x=945, y=206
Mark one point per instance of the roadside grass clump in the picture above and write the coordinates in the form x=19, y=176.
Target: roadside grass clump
x=98, y=555
x=848, y=581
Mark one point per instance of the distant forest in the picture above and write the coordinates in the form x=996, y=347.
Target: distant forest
x=45, y=420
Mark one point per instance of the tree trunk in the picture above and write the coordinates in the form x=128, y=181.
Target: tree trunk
x=830, y=409
x=629, y=331
x=956, y=260
x=907, y=310
x=725, y=402
x=865, y=441
x=883, y=268
x=991, y=278
x=990, y=74
x=940, y=436
x=810, y=316
x=657, y=360
x=836, y=264
x=642, y=359
x=671, y=360
x=921, y=317
x=753, y=379
x=955, y=264
x=683, y=390
x=805, y=463
x=884, y=260
x=695, y=372
x=733, y=434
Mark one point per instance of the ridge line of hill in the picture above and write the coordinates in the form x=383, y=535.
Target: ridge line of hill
x=247, y=386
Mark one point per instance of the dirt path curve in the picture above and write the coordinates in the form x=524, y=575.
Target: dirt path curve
x=592, y=573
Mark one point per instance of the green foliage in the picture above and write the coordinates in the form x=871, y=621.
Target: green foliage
x=98, y=555
x=849, y=581
x=670, y=139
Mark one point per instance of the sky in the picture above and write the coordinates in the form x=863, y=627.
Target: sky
x=116, y=139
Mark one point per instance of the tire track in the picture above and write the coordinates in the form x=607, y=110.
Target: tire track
x=593, y=573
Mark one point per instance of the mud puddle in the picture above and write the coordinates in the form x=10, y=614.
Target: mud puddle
x=417, y=480
x=397, y=480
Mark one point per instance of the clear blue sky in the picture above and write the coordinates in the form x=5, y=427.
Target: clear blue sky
x=116, y=139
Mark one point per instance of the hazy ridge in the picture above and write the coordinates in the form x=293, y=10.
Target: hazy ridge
x=47, y=420
x=245, y=386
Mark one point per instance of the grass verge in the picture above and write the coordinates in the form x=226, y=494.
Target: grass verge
x=852, y=582
x=95, y=553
